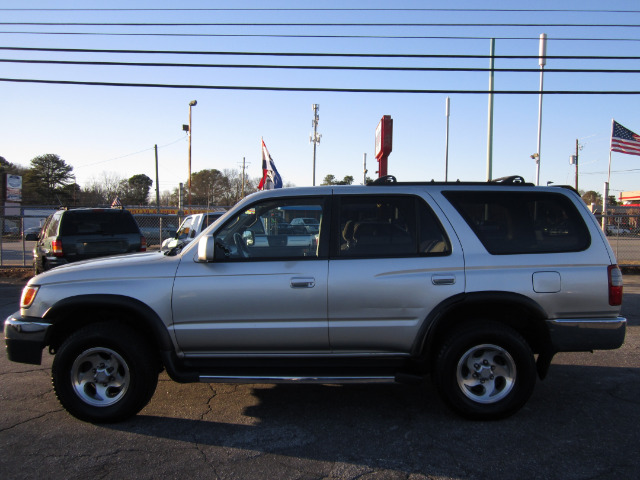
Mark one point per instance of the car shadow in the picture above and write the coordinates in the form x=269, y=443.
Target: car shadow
x=631, y=308
x=406, y=428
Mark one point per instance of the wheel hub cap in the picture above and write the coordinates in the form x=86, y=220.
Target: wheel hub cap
x=486, y=373
x=100, y=377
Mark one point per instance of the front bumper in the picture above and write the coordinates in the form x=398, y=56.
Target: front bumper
x=585, y=335
x=25, y=338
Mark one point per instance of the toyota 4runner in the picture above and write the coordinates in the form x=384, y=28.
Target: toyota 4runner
x=476, y=285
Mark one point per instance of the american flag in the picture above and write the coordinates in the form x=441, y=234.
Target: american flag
x=116, y=203
x=624, y=140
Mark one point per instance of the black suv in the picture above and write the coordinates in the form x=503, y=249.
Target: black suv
x=83, y=233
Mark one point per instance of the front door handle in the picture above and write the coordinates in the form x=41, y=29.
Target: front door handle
x=303, y=282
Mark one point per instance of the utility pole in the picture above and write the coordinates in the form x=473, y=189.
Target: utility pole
x=243, y=177
x=155, y=147
x=364, y=175
x=573, y=160
x=577, y=149
x=180, y=200
x=315, y=137
x=192, y=103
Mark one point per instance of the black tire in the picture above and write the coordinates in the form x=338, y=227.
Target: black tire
x=36, y=268
x=485, y=371
x=104, y=372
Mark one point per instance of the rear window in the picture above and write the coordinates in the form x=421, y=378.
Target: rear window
x=106, y=222
x=522, y=222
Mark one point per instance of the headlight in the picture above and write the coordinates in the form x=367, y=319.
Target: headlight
x=28, y=295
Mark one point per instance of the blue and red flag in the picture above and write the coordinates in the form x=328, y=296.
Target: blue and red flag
x=270, y=176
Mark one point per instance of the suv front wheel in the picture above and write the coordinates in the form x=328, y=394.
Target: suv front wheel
x=104, y=373
x=485, y=370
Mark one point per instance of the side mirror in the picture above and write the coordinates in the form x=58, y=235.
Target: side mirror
x=205, y=249
x=249, y=238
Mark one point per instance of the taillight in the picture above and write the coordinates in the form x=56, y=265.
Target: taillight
x=615, y=285
x=143, y=244
x=56, y=248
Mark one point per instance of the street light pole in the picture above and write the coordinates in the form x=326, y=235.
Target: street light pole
x=446, y=148
x=192, y=103
x=542, y=60
x=492, y=53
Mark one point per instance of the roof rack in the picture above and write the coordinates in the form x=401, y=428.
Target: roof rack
x=386, y=180
x=513, y=180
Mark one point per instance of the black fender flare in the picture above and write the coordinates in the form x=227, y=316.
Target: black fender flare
x=157, y=328
x=434, y=323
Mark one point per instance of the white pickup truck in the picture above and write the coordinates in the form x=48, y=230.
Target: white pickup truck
x=190, y=228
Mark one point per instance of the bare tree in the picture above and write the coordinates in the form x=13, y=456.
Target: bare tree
x=103, y=190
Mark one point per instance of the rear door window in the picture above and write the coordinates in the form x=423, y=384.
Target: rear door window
x=388, y=226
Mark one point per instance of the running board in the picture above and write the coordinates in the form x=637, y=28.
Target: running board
x=296, y=379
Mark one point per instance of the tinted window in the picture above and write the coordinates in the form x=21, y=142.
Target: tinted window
x=52, y=226
x=268, y=230
x=210, y=218
x=105, y=222
x=383, y=226
x=522, y=222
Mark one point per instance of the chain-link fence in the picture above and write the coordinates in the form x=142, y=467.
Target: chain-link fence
x=19, y=234
x=157, y=228
x=623, y=233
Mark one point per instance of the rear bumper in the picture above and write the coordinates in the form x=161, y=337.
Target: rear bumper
x=52, y=262
x=25, y=338
x=585, y=335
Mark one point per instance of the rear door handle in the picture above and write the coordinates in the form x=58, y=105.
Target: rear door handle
x=443, y=279
x=303, y=282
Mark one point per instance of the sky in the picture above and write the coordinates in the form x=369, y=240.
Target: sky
x=111, y=130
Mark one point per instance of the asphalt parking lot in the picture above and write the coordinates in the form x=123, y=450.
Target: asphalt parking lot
x=583, y=422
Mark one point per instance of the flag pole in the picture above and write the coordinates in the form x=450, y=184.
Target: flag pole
x=609, y=173
x=605, y=200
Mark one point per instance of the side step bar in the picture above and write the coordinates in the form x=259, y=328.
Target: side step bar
x=298, y=379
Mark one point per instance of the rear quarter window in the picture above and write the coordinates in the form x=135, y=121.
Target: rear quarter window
x=512, y=222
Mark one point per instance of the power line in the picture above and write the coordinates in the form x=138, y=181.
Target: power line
x=321, y=89
x=318, y=67
x=396, y=37
x=131, y=154
x=277, y=9
x=338, y=55
x=316, y=24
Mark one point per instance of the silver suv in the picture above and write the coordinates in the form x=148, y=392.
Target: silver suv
x=476, y=285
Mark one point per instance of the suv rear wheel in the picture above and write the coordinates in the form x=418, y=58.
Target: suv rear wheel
x=485, y=370
x=104, y=373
